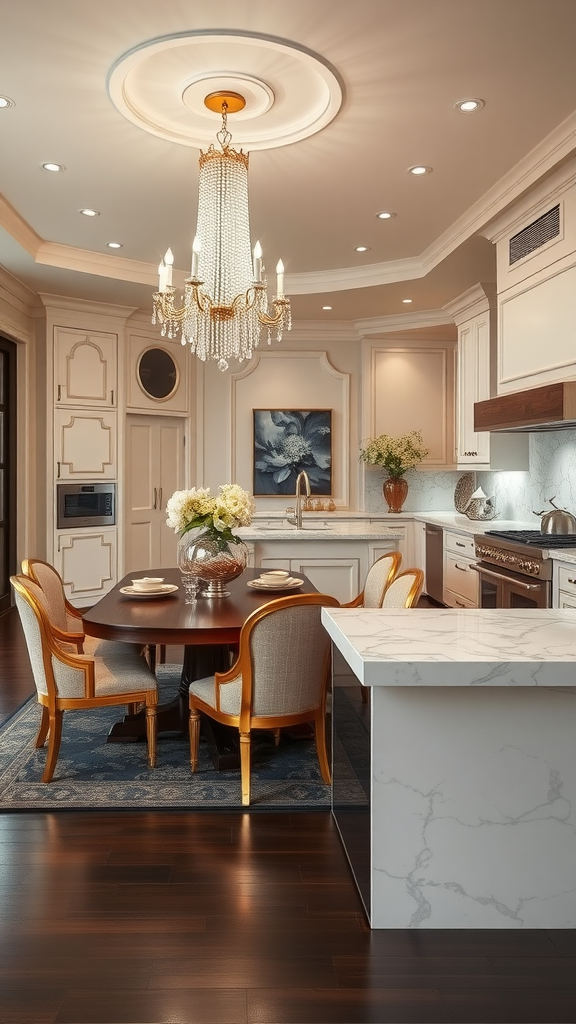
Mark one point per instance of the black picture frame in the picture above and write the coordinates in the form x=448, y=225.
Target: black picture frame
x=287, y=441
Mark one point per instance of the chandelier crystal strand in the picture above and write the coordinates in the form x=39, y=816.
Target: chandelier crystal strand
x=224, y=306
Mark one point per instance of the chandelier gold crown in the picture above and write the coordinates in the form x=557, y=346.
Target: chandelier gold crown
x=225, y=299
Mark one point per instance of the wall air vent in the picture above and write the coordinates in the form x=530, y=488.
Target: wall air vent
x=535, y=235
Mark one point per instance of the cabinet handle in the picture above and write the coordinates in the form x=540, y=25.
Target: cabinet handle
x=459, y=603
x=159, y=497
x=571, y=581
x=460, y=567
x=112, y=397
x=59, y=392
x=459, y=544
x=155, y=498
x=57, y=470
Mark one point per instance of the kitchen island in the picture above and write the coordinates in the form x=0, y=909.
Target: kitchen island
x=468, y=765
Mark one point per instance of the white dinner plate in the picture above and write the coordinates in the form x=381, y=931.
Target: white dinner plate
x=290, y=584
x=163, y=591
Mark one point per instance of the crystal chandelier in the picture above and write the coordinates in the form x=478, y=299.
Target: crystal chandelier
x=225, y=300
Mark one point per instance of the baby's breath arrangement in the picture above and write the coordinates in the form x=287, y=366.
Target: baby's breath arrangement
x=395, y=454
x=219, y=514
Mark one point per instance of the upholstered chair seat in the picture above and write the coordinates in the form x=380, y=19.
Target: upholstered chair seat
x=68, y=681
x=280, y=678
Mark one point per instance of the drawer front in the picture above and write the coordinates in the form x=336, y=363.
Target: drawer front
x=460, y=544
x=456, y=600
x=567, y=579
x=460, y=578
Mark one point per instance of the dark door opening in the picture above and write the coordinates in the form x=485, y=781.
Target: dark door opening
x=7, y=469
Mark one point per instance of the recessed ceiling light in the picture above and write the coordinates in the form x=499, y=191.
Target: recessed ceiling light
x=385, y=215
x=406, y=300
x=5, y=102
x=361, y=248
x=469, y=106
x=114, y=245
x=326, y=307
x=89, y=213
x=420, y=169
x=53, y=167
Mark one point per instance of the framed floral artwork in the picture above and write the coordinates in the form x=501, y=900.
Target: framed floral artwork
x=285, y=442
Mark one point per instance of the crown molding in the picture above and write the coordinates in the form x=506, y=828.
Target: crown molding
x=403, y=321
x=475, y=300
x=545, y=194
x=314, y=330
x=64, y=302
x=15, y=292
x=18, y=228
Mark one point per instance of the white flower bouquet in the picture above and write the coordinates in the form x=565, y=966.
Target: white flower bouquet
x=395, y=454
x=218, y=514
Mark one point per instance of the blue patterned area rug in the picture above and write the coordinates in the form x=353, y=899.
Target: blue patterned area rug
x=93, y=774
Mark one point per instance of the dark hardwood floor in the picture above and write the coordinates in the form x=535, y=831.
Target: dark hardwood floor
x=232, y=918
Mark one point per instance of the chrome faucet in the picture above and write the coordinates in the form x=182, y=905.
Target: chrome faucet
x=302, y=477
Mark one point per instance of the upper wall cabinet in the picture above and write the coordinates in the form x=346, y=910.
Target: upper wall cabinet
x=157, y=375
x=410, y=386
x=85, y=368
x=474, y=315
x=536, y=270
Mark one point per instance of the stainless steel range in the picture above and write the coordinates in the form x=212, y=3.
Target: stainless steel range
x=515, y=569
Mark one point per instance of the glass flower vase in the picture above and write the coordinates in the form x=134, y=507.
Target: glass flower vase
x=212, y=559
x=395, y=489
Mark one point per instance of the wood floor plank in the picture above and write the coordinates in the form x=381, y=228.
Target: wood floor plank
x=138, y=917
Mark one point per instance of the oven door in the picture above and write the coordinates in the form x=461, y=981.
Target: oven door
x=500, y=588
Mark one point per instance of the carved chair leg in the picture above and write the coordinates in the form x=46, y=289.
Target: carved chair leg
x=245, y=767
x=43, y=727
x=54, y=737
x=194, y=724
x=320, y=736
x=151, y=733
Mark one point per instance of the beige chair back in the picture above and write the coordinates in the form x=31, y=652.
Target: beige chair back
x=47, y=577
x=289, y=653
x=379, y=578
x=405, y=590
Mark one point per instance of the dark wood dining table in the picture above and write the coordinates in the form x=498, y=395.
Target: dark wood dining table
x=209, y=630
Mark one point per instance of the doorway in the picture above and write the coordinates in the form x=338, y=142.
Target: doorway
x=7, y=469
x=154, y=470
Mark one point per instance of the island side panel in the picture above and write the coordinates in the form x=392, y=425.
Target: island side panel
x=473, y=805
x=351, y=807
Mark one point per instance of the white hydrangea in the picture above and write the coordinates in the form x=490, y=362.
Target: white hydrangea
x=197, y=507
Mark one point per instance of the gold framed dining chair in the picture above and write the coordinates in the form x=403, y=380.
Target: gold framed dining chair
x=280, y=678
x=378, y=578
x=404, y=590
x=68, y=681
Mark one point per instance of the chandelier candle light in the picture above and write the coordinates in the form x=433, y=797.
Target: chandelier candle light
x=225, y=300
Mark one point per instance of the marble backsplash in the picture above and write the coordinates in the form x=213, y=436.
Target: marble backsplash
x=552, y=474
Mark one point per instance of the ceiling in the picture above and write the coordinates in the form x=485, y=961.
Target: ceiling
x=392, y=71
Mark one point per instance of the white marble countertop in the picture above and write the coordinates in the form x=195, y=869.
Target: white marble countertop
x=453, y=647
x=323, y=528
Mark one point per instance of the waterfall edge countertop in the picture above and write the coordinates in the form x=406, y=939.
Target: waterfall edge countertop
x=469, y=817
x=454, y=647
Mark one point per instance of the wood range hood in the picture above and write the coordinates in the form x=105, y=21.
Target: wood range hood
x=552, y=407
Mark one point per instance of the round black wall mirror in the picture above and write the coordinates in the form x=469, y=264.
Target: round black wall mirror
x=157, y=373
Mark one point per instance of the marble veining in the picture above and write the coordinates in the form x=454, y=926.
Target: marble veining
x=472, y=764
x=471, y=647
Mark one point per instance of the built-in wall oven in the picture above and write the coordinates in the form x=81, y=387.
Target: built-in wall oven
x=84, y=504
x=514, y=568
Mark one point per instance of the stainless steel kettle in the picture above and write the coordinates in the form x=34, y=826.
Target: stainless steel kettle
x=557, y=520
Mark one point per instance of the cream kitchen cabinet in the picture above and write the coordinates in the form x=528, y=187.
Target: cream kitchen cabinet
x=85, y=368
x=564, y=585
x=334, y=567
x=87, y=563
x=85, y=444
x=474, y=314
x=460, y=578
